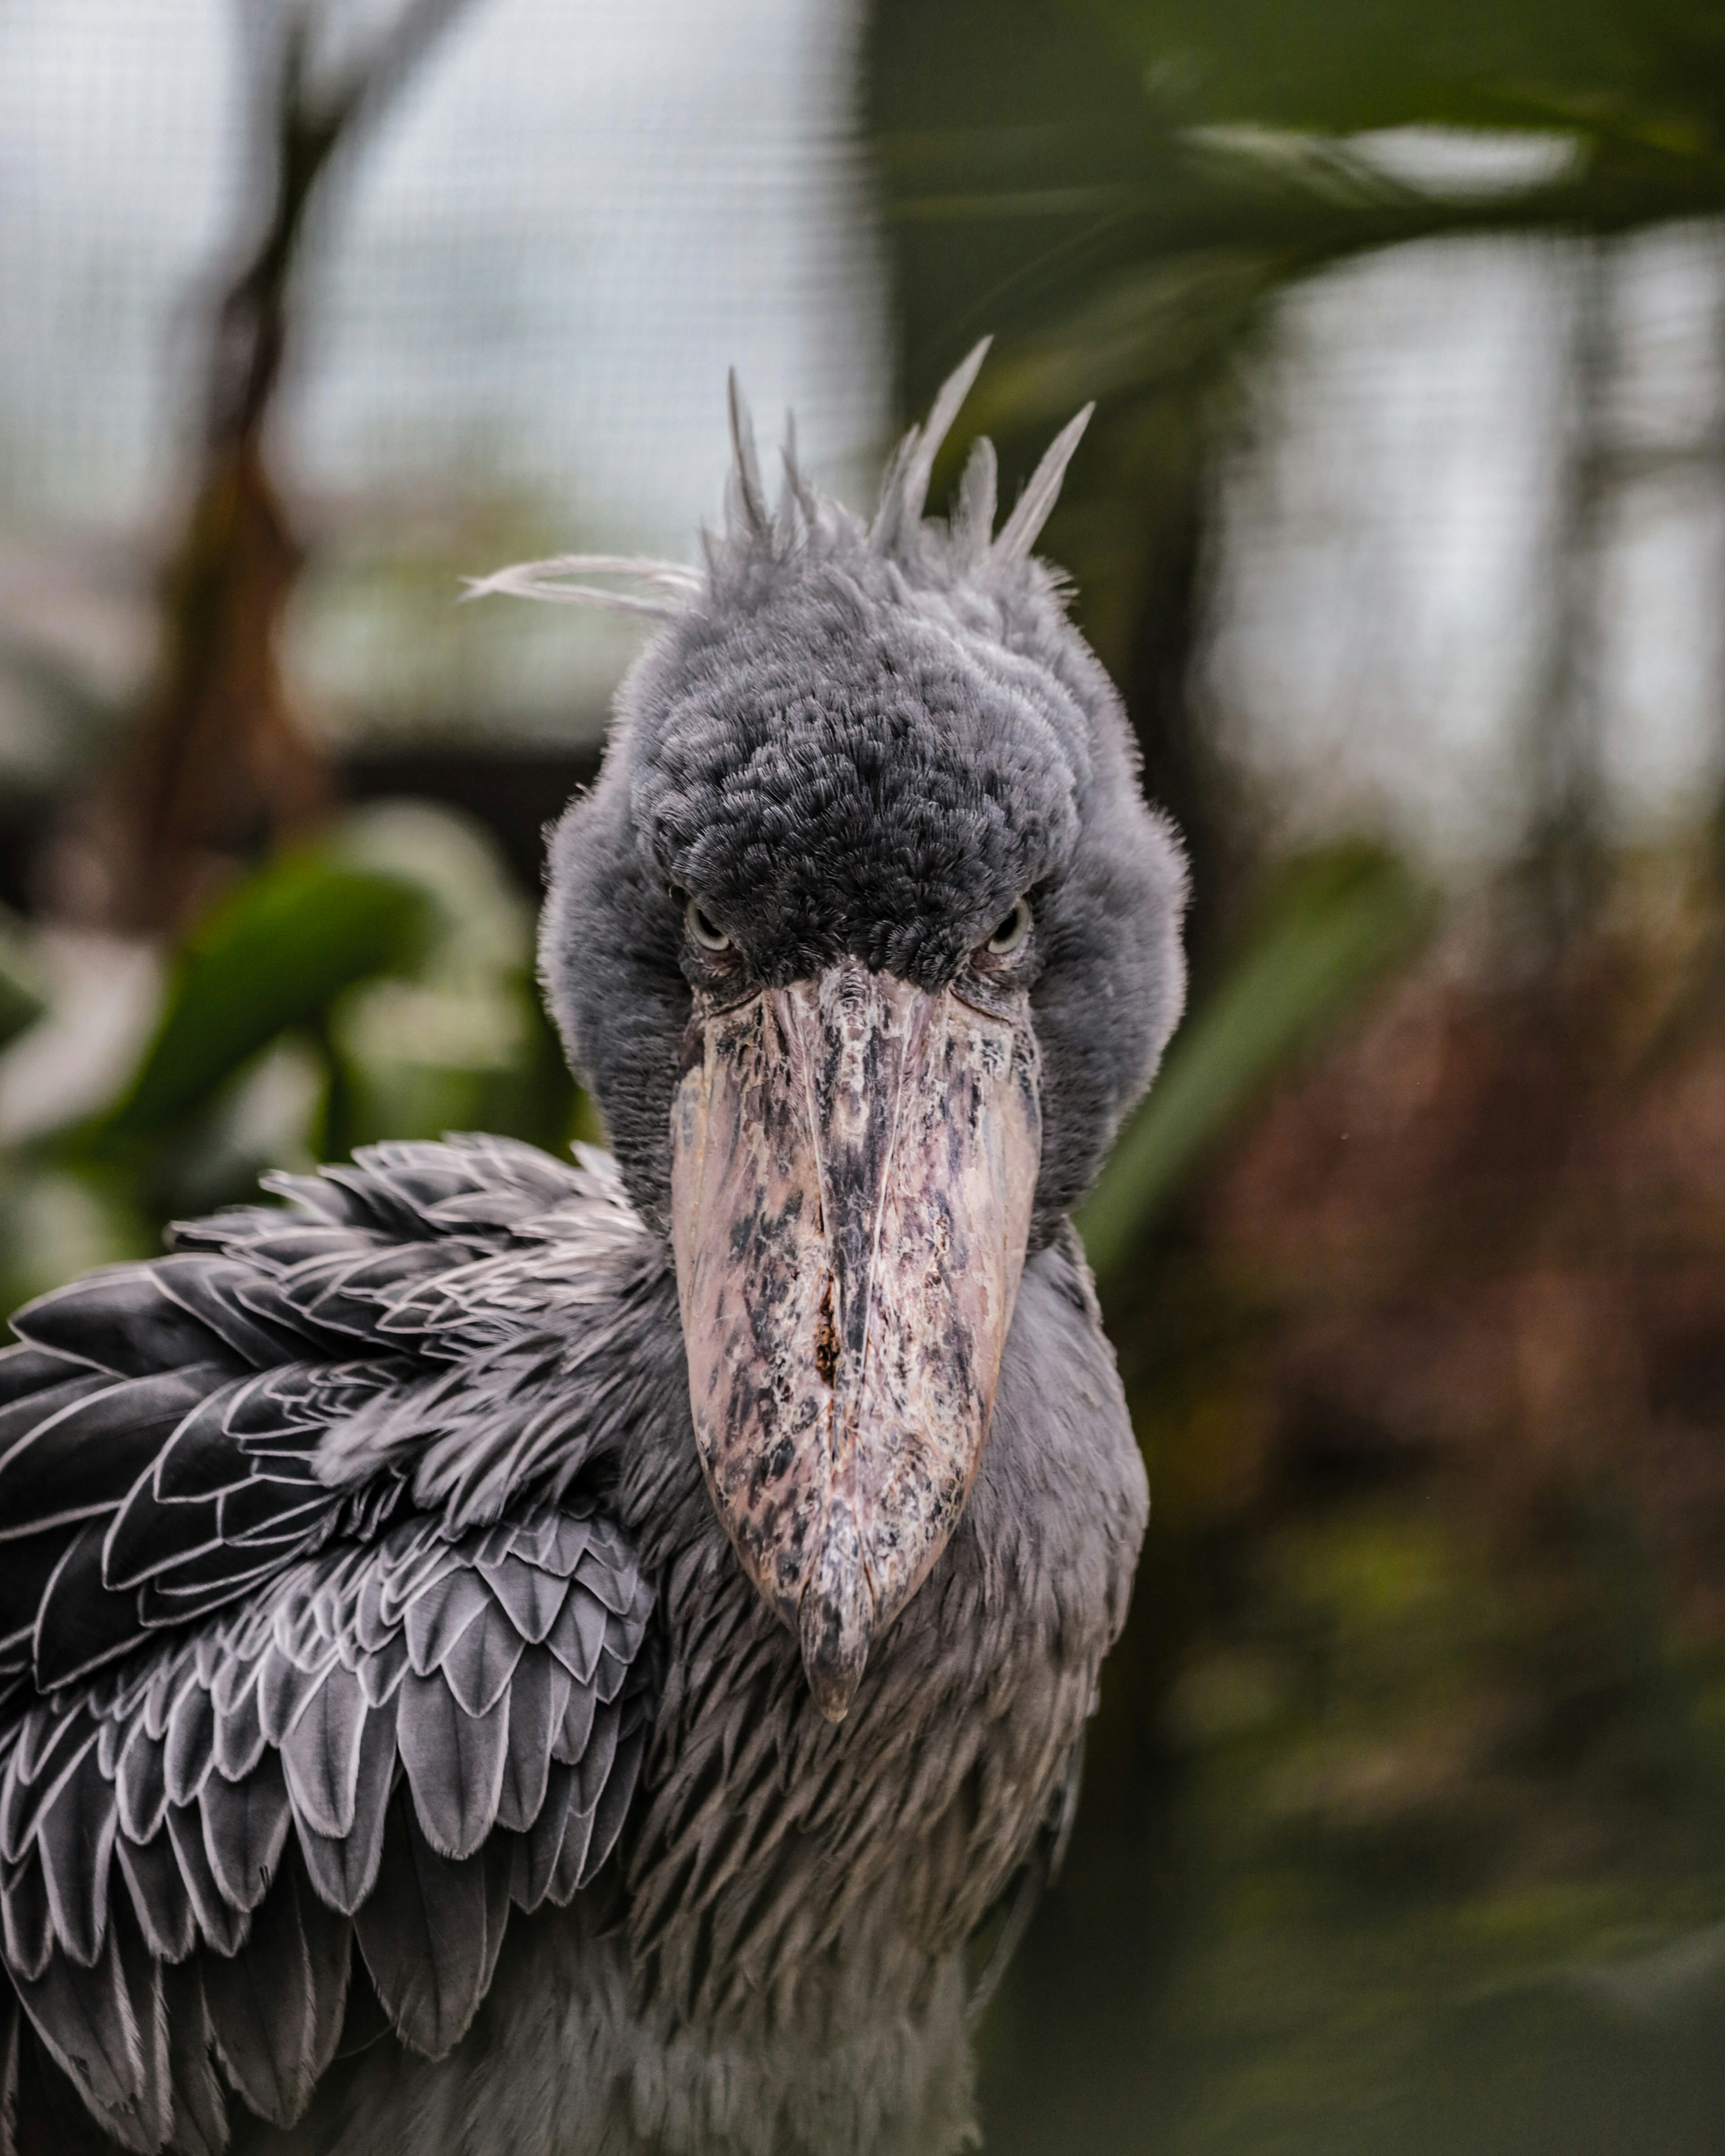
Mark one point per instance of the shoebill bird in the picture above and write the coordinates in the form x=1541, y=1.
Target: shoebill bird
x=529, y=1659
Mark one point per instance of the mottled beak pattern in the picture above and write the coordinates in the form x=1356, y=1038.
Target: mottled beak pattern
x=854, y=1161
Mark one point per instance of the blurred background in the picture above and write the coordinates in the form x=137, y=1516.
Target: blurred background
x=1401, y=527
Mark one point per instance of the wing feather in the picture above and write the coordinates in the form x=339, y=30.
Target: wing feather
x=139, y=1977
x=188, y=1752
x=123, y=1320
x=321, y=1753
x=27, y=1374
x=579, y=1632
x=85, y=2018
x=29, y=1928
x=570, y=1739
x=453, y=1761
x=531, y=1594
x=537, y=1695
x=498, y=1861
x=240, y=1740
x=435, y=1622
x=478, y=1668
x=28, y=1407
x=285, y=1689
x=345, y=1868
x=537, y=1850
x=159, y=1898
x=76, y=1835
x=570, y=1867
x=614, y=1798
x=253, y=1704
x=222, y=1295
x=222, y=1925
x=37, y=1770
x=67, y=1466
x=141, y=1783
x=329, y=1955
x=245, y=1827
x=200, y=2117
x=276, y=2016
x=423, y=1933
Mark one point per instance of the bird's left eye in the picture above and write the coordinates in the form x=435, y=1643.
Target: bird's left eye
x=1011, y=932
x=706, y=932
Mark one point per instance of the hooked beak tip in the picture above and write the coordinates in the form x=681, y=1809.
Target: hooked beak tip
x=834, y=1685
x=835, y=1622
x=834, y=1691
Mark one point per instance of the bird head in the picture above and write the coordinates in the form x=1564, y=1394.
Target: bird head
x=865, y=940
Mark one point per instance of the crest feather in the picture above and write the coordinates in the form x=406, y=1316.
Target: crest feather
x=903, y=489
x=973, y=519
x=748, y=495
x=1021, y=530
x=809, y=525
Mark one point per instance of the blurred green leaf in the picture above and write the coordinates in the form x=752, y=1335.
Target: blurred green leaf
x=274, y=955
x=1343, y=65
x=1334, y=925
x=57, y=1222
x=22, y=1002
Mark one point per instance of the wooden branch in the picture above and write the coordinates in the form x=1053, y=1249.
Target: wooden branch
x=371, y=87
x=308, y=130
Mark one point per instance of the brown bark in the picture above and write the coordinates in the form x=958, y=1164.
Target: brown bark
x=219, y=769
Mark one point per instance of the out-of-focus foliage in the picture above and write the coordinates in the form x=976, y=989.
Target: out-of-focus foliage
x=378, y=984
x=274, y=957
x=1110, y=186
x=1334, y=924
x=1640, y=84
x=21, y=999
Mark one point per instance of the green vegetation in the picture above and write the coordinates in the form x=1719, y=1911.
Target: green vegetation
x=377, y=984
x=1331, y=927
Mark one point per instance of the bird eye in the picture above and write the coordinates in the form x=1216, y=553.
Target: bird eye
x=1011, y=932
x=709, y=937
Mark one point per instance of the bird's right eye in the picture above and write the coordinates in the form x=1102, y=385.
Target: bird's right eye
x=706, y=932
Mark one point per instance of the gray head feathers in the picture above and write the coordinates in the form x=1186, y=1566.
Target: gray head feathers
x=808, y=526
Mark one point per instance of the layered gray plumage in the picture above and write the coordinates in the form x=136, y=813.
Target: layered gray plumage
x=394, y=1754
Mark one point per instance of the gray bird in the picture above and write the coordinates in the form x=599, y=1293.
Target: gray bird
x=536, y=1660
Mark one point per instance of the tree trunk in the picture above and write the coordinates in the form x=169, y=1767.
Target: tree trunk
x=219, y=769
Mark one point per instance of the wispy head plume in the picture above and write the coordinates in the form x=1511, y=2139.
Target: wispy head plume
x=549, y=580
